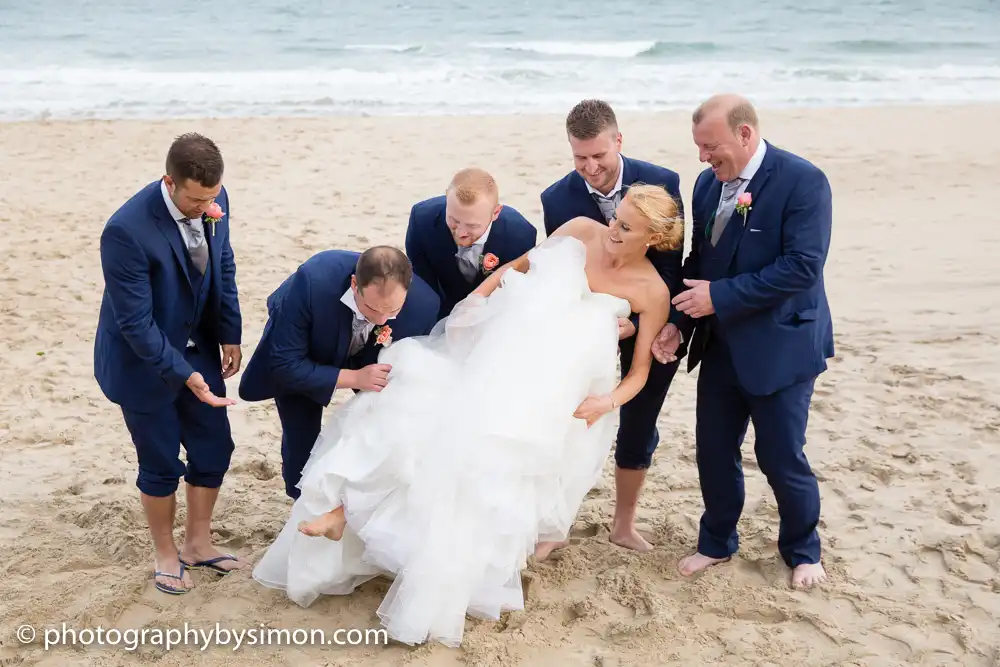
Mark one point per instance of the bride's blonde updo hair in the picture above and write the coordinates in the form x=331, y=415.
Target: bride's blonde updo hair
x=655, y=204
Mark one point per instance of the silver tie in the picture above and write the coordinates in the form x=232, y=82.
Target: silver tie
x=468, y=263
x=196, y=246
x=360, y=330
x=726, y=206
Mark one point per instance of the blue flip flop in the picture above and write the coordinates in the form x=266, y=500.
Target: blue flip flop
x=171, y=590
x=210, y=564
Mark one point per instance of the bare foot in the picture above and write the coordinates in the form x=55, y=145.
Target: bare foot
x=171, y=565
x=807, y=575
x=543, y=549
x=629, y=538
x=330, y=525
x=697, y=562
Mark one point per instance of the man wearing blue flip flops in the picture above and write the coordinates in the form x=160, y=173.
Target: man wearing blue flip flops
x=168, y=337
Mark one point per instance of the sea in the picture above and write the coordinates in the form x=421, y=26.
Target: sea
x=106, y=59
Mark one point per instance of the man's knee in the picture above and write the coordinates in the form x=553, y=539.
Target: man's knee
x=156, y=438
x=637, y=441
x=157, y=483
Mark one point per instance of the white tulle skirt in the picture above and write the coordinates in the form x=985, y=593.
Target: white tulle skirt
x=471, y=455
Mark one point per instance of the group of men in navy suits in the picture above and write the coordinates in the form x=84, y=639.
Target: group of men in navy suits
x=749, y=305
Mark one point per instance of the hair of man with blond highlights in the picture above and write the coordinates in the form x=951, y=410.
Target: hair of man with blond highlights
x=655, y=204
x=739, y=111
x=590, y=118
x=472, y=183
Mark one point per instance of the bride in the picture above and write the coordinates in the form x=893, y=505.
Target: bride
x=491, y=431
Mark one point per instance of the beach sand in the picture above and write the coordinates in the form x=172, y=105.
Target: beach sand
x=904, y=431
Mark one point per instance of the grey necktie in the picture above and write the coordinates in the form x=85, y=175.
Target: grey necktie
x=726, y=206
x=468, y=262
x=360, y=330
x=608, y=205
x=196, y=246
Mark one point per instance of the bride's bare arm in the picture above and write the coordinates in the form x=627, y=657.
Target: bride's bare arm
x=579, y=228
x=651, y=320
x=653, y=314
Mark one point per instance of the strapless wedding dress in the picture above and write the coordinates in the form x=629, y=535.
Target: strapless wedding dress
x=471, y=455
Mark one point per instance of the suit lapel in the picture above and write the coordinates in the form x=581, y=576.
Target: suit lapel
x=168, y=226
x=754, y=187
x=214, y=249
x=344, y=317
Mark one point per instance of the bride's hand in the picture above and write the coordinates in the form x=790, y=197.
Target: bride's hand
x=593, y=408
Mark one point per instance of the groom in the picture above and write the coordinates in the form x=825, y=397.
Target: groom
x=327, y=323
x=757, y=307
x=169, y=306
x=594, y=189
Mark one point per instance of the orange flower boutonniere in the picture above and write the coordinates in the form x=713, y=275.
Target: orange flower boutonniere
x=383, y=335
x=489, y=262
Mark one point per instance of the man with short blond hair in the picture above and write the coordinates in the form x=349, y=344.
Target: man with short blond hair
x=457, y=239
x=597, y=184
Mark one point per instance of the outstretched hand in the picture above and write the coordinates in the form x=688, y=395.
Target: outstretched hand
x=196, y=383
x=593, y=408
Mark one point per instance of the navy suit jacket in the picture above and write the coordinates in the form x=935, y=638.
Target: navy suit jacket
x=569, y=198
x=767, y=281
x=307, y=337
x=148, y=306
x=431, y=248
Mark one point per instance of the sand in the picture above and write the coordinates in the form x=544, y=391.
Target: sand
x=903, y=433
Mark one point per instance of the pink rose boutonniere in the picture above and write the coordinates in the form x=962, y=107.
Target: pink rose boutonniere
x=383, y=335
x=489, y=262
x=213, y=215
x=743, y=204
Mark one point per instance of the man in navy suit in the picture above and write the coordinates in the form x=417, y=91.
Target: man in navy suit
x=457, y=239
x=168, y=336
x=327, y=323
x=594, y=189
x=762, y=329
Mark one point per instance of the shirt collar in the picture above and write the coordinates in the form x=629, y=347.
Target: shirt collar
x=756, y=159
x=175, y=212
x=618, y=183
x=482, y=239
x=348, y=300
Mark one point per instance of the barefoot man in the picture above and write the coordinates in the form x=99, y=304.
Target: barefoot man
x=600, y=178
x=762, y=330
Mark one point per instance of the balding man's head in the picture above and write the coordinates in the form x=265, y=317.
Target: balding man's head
x=381, y=279
x=726, y=131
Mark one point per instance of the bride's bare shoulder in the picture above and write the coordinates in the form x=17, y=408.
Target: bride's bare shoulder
x=581, y=227
x=651, y=292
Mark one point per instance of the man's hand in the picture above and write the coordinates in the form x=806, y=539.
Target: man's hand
x=232, y=355
x=373, y=377
x=666, y=343
x=196, y=383
x=697, y=301
x=625, y=328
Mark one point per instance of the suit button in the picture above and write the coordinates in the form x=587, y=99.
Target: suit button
x=187, y=323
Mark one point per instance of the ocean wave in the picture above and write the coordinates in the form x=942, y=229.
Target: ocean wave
x=437, y=87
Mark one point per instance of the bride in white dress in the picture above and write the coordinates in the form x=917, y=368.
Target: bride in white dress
x=488, y=436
